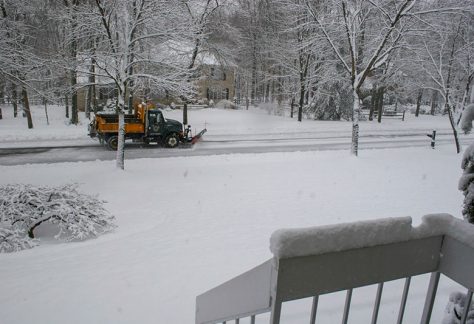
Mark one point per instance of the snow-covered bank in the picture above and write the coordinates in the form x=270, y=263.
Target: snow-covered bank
x=188, y=224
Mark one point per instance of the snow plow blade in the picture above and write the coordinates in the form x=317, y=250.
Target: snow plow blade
x=198, y=136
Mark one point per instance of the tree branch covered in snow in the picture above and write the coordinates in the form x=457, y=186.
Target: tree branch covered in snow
x=23, y=208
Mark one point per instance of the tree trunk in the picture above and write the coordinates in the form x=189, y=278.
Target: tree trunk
x=2, y=94
x=453, y=127
x=185, y=113
x=465, y=97
x=45, y=102
x=14, y=101
x=301, y=104
x=89, y=102
x=247, y=103
x=253, y=89
x=279, y=87
x=380, y=95
x=91, y=91
x=267, y=92
x=418, y=102
x=373, y=101
x=292, y=106
x=94, y=97
x=120, y=161
x=66, y=98
x=130, y=84
x=26, y=107
x=74, y=109
x=355, y=124
x=434, y=102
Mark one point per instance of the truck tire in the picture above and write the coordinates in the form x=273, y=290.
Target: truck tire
x=171, y=140
x=112, y=142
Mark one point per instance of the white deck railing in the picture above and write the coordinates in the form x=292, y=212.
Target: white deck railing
x=316, y=261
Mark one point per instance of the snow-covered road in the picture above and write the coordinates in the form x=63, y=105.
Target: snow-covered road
x=216, y=145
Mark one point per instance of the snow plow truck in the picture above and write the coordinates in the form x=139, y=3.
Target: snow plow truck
x=147, y=125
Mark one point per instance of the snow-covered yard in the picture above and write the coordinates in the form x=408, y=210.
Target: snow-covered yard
x=188, y=224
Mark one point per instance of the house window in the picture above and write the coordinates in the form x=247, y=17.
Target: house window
x=218, y=74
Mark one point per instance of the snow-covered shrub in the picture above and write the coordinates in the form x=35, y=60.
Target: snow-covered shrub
x=14, y=239
x=455, y=308
x=466, y=183
x=336, y=106
x=467, y=118
x=272, y=108
x=76, y=216
x=226, y=104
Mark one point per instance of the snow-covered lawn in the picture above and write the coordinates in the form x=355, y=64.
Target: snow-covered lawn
x=188, y=224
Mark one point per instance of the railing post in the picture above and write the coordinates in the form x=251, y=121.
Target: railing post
x=403, y=304
x=276, y=311
x=252, y=319
x=430, y=298
x=467, y=306
x=378, y=298
x=347, y=306
x=314, y=310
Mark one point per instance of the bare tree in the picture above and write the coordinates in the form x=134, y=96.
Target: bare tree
x=444, y=59
x=127, y=29
x=346, y=36
x=18, y=61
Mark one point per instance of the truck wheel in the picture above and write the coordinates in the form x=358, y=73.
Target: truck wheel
x=112, y=142
x=171, y=141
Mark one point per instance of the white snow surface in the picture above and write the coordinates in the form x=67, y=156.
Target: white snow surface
x=187, y=224
x=286, y=243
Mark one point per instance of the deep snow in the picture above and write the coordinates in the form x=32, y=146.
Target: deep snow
x=188, y=224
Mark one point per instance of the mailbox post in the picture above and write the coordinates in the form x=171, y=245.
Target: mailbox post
x=433, y=139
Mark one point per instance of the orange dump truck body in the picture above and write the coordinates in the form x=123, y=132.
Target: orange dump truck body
x=108, y=123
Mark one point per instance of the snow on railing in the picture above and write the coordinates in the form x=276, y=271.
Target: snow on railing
x=311, y=262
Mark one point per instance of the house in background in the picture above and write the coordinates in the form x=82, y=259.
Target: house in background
x=213, y=80
x=215, y=83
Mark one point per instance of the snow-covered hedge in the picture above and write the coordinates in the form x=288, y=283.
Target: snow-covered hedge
x=467, y=118
x=23, y=208
x=466, y=183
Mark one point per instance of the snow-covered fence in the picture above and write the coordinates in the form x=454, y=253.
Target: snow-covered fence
x=315, y=261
